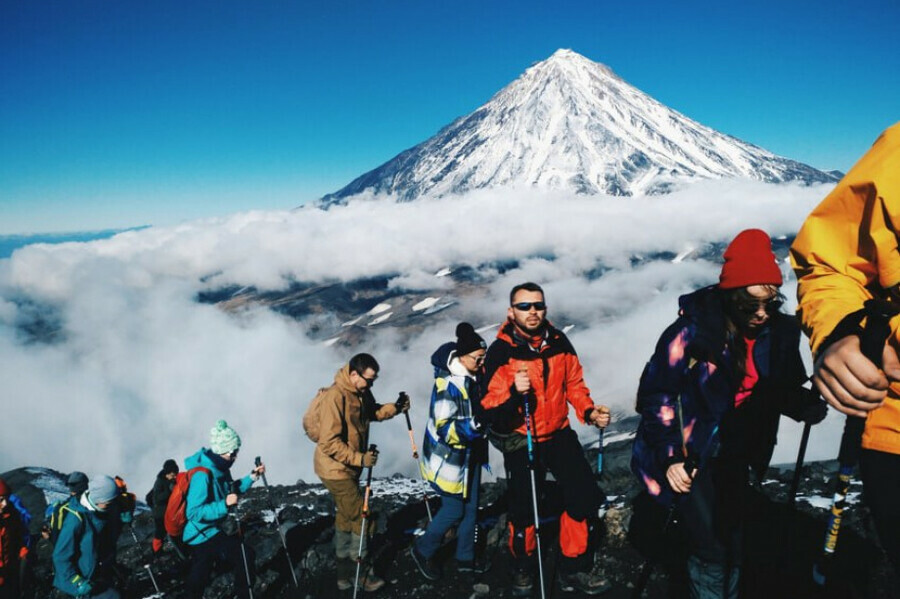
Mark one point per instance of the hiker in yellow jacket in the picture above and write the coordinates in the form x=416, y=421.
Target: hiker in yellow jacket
x=845, y=253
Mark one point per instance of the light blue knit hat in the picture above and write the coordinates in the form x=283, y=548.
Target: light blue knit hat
x=102, y=489
x=223, y=439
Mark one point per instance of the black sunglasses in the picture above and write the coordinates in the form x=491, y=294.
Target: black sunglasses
x=771, y=305
x=526, y=306
x=368, y=381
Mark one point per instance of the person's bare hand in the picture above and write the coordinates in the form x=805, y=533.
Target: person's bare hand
x=522, y=381
x=599, y=416
x=678, y=478
x=231, y=499
x=849, y=381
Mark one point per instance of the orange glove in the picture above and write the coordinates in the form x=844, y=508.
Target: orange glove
x=23, y=552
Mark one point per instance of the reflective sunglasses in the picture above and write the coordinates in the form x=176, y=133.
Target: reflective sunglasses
x=771, y=305
x=527, y=306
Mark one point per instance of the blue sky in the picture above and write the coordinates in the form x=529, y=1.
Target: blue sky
x=118, y=114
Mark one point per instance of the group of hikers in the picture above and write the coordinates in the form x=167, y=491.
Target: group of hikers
x=709, y=401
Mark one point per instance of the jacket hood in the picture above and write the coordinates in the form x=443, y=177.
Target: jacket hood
x=201, y=458
x=342, y=380
x=440, y=359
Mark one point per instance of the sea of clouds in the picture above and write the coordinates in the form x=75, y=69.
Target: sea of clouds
x=140, y=370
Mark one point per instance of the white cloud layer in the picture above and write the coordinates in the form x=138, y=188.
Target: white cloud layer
x=143, y=370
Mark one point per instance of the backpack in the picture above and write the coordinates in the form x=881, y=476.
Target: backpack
x=311, y=416
x=55, y=514
x=176, y=508
x=148, y=498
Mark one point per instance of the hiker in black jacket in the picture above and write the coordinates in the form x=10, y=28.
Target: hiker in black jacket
x=159, y=498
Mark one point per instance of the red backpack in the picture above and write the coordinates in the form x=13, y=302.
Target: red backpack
x=176, y=508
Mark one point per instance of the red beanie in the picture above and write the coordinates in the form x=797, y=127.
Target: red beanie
x=749, y=261
x=4, y=489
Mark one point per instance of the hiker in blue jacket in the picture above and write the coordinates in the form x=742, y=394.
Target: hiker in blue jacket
x=76, y=553
x=453, y=452
x=210, y=494
x=710, y=399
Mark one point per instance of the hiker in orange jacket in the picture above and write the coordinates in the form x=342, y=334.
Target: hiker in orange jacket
x=533, y=361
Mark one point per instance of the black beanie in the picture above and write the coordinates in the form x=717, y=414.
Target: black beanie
x=467, y=340
x=170, y=467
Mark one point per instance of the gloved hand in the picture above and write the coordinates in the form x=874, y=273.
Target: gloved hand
x=402, y=402
x=370, y=458
x=814, y=413
x=83, y=588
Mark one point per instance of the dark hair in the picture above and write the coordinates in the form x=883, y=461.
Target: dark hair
x=360, y=363
x=524, y=287
x=735, y=339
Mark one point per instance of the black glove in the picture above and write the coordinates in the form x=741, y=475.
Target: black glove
x=814, y=413
x=402, y=403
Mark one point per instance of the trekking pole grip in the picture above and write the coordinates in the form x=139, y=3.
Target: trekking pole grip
x=258, y=462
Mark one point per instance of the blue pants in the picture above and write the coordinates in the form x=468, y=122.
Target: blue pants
x=454, y=509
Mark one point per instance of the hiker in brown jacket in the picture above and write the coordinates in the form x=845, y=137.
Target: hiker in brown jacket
x=345, y=411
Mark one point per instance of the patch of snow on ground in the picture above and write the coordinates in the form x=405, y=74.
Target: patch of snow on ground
x=443, y=272
x=438, y=308
x=568, y=328
x=350, y=323
x=425, y=303
x=330, y=342
x=379, y=309
x=682, y=255
x=380, y=319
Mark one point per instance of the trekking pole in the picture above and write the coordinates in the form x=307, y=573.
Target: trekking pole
x=153, y=580
x=235, y=488
x=534, y=501
x=878, y=314
x=415, y=453
x=362, y=530
x=287, y=554
x=801, y=456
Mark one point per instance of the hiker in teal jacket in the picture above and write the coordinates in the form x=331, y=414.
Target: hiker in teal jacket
x=209, y=496
x=75, y=555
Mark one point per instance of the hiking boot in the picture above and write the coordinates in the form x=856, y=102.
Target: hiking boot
x=346, y=572
x=477, y=565
x=583, y=582
x=521, y=583
x=425, y=566
x=371, y=583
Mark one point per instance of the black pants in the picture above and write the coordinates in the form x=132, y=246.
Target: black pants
x=880, y=473
x=563, y=456
x=220, y=548
x=9, y=588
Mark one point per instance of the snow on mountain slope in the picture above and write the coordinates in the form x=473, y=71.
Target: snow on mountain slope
x=570, y=123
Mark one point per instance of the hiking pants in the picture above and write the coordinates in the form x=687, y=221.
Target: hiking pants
x=225, y=548
x=880, y=473
x=454, y=509
x=563, y=456
x=9, y=581
x=711, y=580
x=348, y=504
x=713, y=520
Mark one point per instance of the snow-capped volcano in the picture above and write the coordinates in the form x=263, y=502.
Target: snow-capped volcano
x=570, y=123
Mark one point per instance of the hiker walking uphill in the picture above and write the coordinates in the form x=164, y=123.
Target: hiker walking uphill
x=342, y=413
x=710, y=399
x=76, y=554
x=159, y=499
x=531, y=369
x=454, y=451
x=845, y=254
x=209, y=495
x=13, y=544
